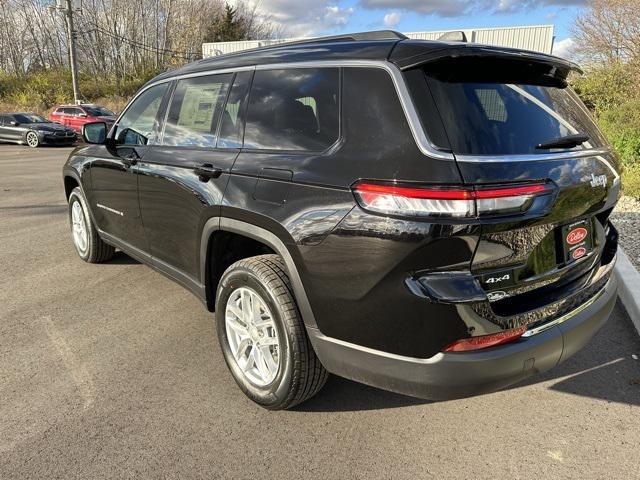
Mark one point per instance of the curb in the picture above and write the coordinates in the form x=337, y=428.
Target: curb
x=629, y=287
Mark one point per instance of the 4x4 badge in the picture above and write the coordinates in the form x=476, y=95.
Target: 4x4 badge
x=498, y=279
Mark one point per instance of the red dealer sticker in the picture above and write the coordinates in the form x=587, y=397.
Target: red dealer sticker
x=578, y=253
x=576, y=236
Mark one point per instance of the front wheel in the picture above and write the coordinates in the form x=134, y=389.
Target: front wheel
x=262, y=336
x=89, y=245
x=32, y=139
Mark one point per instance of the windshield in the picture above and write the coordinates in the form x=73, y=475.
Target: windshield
x=501, y=118
x=99, y=111
x=29, y=118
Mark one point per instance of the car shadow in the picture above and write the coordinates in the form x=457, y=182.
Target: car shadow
x=121, y=258
x=342, y=395
x=604, y=369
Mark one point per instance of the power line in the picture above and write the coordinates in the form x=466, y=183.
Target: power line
x=143, y=46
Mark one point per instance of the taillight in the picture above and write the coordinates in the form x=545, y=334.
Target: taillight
x=486, y=341
x=396, y=199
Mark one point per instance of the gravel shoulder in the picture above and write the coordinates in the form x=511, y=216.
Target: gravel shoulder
x=626, y=218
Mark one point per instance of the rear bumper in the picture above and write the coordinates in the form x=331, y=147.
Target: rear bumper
x=454, y=375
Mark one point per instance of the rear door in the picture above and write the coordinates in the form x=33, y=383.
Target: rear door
x=498, y=123
x=75, y=118
x=65, y=115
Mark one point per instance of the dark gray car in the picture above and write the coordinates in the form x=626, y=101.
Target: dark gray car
x=33, y=130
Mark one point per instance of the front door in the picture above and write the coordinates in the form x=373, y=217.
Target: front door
x=182, y=180
x=114, y=168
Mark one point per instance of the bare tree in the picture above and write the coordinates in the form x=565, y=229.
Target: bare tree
x=609, y=30
x=118, y=38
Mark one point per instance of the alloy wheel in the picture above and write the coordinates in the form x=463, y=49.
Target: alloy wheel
x=32, y=139
x=252, y=336
x=79, y=227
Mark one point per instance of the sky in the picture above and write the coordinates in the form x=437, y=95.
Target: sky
x=302, y=18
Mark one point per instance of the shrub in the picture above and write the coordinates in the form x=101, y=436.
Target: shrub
x=631, y=181
x=608, y=86
x=621, y=125
x=39, y=91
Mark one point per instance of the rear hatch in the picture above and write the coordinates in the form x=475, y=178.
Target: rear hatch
x=513, y=120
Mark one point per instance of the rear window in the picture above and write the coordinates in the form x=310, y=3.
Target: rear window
x=489, y=115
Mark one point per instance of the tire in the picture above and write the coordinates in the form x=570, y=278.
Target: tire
x=93, y=249
x=300, y=375
x=32, y=139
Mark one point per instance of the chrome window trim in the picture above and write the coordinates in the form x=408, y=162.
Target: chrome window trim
x=394, y=72
x=533, y=157
x=419, y=135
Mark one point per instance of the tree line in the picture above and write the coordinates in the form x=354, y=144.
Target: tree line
x=120, y=38
x=607, y=45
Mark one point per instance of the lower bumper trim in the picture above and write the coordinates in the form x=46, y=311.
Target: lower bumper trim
x=454, y=375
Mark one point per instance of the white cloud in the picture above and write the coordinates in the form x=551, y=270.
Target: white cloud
x=304, y=18
x=445, y=8
x=392, y=19
x=564, y=48
x=456, y=8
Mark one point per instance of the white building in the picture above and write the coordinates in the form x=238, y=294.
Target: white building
x=538, y=38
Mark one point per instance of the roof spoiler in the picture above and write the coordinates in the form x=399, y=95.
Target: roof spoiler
x=413, y=56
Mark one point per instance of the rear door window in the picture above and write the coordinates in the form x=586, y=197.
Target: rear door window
x=293, y=109
x=491, y=117
x=231, y=123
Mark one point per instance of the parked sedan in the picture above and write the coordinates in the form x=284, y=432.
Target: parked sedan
x=33, y=130
x=75, y=116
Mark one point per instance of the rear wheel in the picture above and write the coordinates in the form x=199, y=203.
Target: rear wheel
x=89, y=245
x=32, y=139
x=262, y=336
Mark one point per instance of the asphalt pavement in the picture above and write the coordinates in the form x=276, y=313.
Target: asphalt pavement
x=113, y=371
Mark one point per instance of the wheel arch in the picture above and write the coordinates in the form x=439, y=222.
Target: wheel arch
x=70, y=182
x=263, y=236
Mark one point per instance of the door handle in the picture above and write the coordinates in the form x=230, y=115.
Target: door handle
x=207, y=171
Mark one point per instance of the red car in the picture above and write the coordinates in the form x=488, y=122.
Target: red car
x=75, y=116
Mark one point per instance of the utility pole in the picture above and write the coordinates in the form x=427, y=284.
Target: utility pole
x=71, y=39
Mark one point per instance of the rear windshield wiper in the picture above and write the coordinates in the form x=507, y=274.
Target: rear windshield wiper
x=568, y=141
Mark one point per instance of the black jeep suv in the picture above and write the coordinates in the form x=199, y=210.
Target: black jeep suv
x=426, y=217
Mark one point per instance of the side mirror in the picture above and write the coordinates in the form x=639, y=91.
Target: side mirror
x=82, y=115
x=95, y=133
x=14, y=123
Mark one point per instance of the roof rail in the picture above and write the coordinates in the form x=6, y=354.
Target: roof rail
x=454, y=36
x=354, y=37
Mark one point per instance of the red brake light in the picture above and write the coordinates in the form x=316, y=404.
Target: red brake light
x=394, y=199
x=486, y=341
